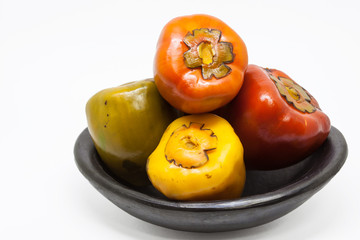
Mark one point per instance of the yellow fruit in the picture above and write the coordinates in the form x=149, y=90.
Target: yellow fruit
x=199, y=157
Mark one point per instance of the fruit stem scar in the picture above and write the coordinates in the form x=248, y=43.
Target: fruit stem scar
x=188, y=146
x=208, y=53
x=294, y=94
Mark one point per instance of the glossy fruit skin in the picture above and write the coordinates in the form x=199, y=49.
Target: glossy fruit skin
x=273, y=132
x=185, y=88
x=126, y=124
x=221, y=177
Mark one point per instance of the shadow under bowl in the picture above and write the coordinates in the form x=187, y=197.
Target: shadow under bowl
x=268, y=195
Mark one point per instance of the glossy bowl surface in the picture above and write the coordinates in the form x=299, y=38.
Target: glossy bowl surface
x=268, y=195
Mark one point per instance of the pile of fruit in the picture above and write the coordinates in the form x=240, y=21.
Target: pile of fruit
x=205, y=118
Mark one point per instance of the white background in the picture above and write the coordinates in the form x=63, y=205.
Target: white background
x=54, y=55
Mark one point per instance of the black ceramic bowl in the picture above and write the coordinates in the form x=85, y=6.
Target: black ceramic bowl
x=268, y=195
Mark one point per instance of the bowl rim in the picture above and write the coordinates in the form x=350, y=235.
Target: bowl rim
x=316, y=178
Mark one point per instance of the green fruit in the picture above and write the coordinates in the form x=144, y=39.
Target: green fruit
x=126, y=124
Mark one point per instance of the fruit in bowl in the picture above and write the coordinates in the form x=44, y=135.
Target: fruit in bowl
x=126, y=124
x=199, y=63
x=199, y=157
x=277, y=120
